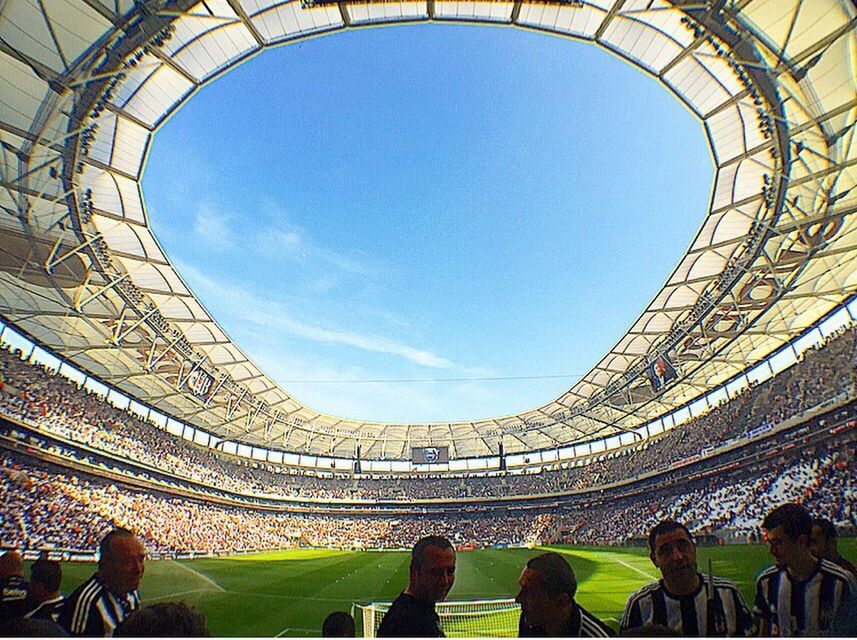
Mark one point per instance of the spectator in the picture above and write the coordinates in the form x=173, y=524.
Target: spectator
x=31, y=628
x=44, y=600
x=164, y=620
x=800, y=595
x=103, y=602
x=432, y=574
x=547, y=602
x=822, y=544
x=338, y=624
x=13, y=589
x=684, y=600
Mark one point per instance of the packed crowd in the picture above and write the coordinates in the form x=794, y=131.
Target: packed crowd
x=39, y=494
x=730, y=504
x=38, y=397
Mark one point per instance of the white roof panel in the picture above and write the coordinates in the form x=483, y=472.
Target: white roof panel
x=807, y=75
x=577, y=21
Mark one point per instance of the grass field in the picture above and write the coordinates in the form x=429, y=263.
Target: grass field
x=289, y=593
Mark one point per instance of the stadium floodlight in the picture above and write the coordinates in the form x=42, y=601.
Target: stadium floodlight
x=458, y=619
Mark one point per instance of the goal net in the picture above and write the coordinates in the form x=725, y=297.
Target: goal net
x=459, y=619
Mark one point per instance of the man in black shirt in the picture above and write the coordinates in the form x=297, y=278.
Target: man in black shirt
x=13, y=589
x=432, y=573
x=44, y=600
x=547, y=602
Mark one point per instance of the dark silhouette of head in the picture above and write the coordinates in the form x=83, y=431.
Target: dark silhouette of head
x=338, y=624
x=164, y=620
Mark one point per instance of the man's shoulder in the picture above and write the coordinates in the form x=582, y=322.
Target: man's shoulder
x=409, y=616
x=91, y=586
x=838, y=572
x=592, y=627
x=85, y=597
x=768, y=573
x=48, y=610
x=644, y=591
x=721, y=583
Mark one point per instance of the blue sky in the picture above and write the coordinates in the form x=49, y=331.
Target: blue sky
x=424, y=203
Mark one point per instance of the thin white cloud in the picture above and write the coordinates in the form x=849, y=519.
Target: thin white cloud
x=250, y=308
x=376, y=401
x=212, y=227
x=279, y=236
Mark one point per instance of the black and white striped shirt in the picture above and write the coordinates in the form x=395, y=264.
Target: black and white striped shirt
x=791, y=607
x=689, y=615
x=581, y=624
x=92, y=610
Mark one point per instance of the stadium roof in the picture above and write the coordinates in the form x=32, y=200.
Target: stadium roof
x=85, y=84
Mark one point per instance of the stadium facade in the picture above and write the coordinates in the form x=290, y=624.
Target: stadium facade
x=84, y=87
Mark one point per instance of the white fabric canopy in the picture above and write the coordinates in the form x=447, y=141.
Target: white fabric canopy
x=84, y=85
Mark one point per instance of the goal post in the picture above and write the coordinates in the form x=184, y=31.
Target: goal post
x=458, y=619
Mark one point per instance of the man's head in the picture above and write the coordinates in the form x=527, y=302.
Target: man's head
x=338, y=624
x=822, y=541
x=673, y=551
x=163, y=620
x=547, y=589
x=787, y=531
x=432, y=568
x=45, y=579
x=121, y=561
x=11, y=564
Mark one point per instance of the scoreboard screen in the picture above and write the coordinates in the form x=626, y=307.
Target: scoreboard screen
x=430, y=455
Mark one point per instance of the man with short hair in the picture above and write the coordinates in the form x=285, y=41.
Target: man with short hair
x=548, y=608
x=164, y=620
x=44, y=600
x=432, y=574
x=339, y=624
x=822, y=544
x=685, y=600
x=800, y=595
x=101, y=603
x=13, y=588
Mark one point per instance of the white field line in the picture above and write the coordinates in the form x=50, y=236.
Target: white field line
x=281, y=596
x=306, y=632
x=175, y=595
x=199, y=575
x=633, y=568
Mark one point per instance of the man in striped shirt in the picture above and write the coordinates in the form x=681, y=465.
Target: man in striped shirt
x=98, y=605
x=801, y=595
x=684, y=600
x=547, y=602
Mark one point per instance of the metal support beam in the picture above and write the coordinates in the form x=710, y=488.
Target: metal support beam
x=53, y=260
x=81, y=300
x=119, y=335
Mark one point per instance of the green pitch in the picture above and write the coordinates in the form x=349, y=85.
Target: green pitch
x=289, y=593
